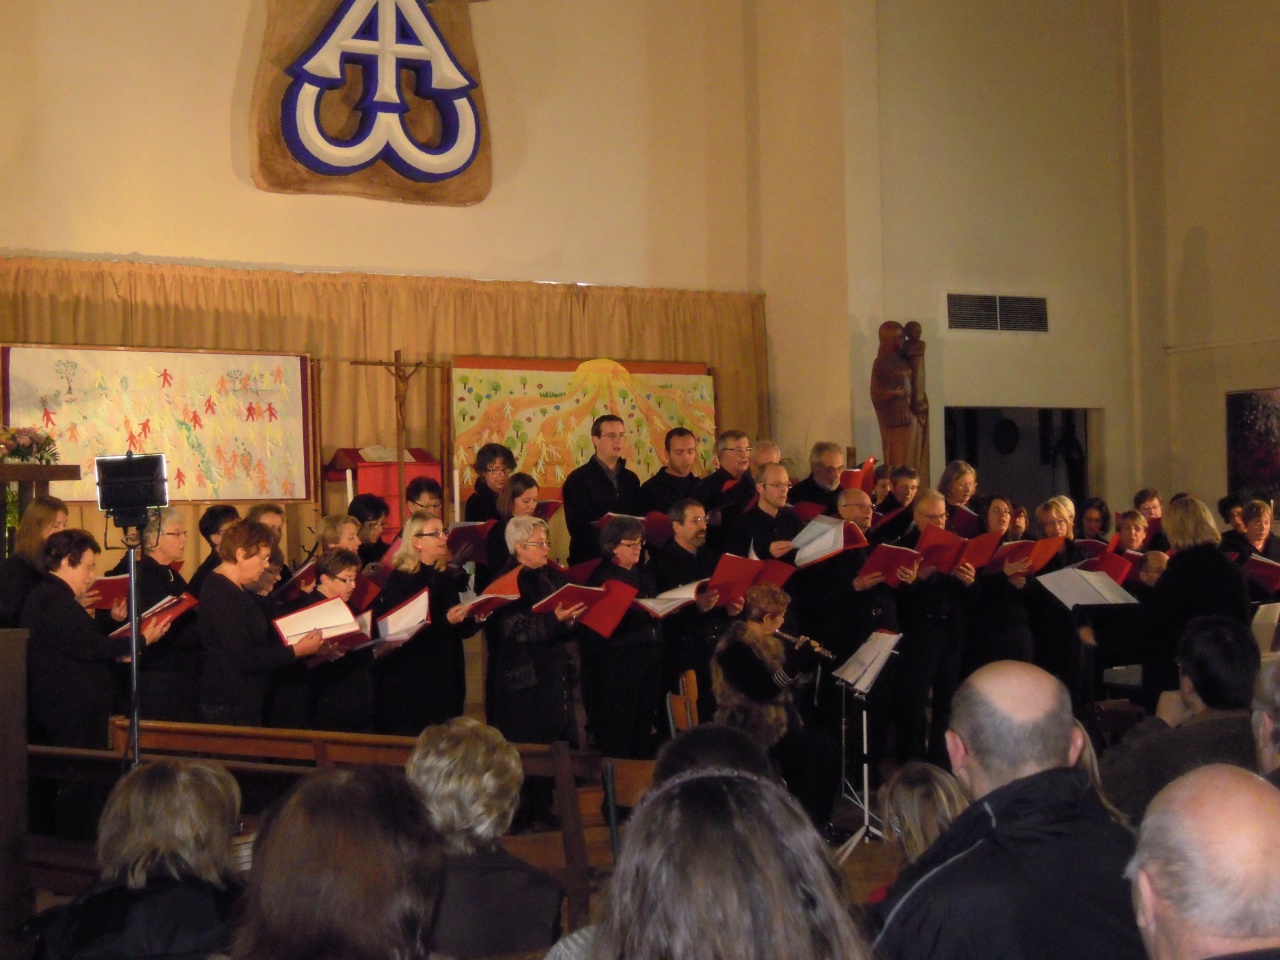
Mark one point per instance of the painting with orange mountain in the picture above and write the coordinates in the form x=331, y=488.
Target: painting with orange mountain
x=542, y=410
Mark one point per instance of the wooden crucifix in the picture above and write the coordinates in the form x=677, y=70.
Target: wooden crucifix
x=403, y=373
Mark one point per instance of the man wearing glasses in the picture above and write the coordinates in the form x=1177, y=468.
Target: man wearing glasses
x=767, y=529
x=726, y=493
x=601, y=485
x=822, y=486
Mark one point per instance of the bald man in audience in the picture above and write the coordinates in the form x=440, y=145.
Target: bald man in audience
x=1206, y=880
x=1206, y=720
x=822, y=486
x=1266, y=722
x=1033, y=870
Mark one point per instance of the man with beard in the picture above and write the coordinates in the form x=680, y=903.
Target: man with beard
x=822, y=486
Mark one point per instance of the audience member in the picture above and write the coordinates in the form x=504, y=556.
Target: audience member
x=917, y=803
x=1266, y=722
x=1206, y=720
x=1206, y=882
x=348, y=868
x=493, y=903
x=168, y=881
x=1033, y=868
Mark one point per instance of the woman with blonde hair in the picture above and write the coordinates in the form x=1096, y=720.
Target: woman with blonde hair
x=341, y=531
x=1198, y=581
x=22, y=570
x=168, y=880
x=917, y=803
x=1058, y=643
x=469, y=779
x=422, y=681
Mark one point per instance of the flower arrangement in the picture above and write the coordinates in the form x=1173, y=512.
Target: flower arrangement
x=27, y=444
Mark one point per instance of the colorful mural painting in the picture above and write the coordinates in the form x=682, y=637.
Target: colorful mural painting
x=1253, y=443
x=231, y=426
x=542, y=410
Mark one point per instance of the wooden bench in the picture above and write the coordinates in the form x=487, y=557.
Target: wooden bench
x=250, y=752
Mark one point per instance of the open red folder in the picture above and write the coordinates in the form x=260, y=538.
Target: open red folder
x=110, y=590
x=1116, y=567
x=497, y=594
x=657, y=526
x=305, y=576
x=466, y=540
x=579, y=572
x=1265, y=573
x=170, y=608
x=1039, y=552
x=943, y=550
x=382, y=569
x=863, y=478
x=887, y=560
x=734, y=576
x=331, y=617
x=546, y=509
x=825, y=537
x=964, y=522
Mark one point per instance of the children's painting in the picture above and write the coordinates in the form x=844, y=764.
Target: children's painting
x=1253, y=443
x=231, y=426
x=542, y=410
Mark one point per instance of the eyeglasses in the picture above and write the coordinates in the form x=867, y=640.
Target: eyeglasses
x=349, y=581
x=497, y=470
x=934, y=516
x=632, y=544
x=436, y=535
x=612, y=436
x=429, y=505
x=742, y=450
x=174, y=533
x=776, y=484
x=544, y=544
x=696, y=521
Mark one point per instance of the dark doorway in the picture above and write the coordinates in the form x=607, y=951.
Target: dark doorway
x=1026, y=453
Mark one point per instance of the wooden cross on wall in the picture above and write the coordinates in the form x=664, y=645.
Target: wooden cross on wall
x=403, y=373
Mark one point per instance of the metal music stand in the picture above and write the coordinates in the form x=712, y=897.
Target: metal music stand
x=855, y=677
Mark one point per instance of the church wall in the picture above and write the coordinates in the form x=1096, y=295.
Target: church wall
x=1222, y=140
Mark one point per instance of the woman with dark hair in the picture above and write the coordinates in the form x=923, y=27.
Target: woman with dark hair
x=371, y=511
x=424, y=680
x=529, y=684
x=20, y=573
x=68, y=657
x=240, y=648
x=622, y=673
x=777, y=892
x=169, y=881
x=753, y=673
x=494, y=463
x=999, y=618
x=1095, y=519
x=348, y=868
x=213, y=521
x=519, y=498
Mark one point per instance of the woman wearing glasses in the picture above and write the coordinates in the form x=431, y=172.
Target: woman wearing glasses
x=530, y=684
x=423, y=681
x=519, y=498
x=494, y=464
x=622, y=673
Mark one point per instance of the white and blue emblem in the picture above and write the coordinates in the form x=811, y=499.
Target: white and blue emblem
x=384, y=37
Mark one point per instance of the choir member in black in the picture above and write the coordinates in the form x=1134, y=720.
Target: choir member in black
x=372, y=512
x=622, y=673
x=1131, y=531
x=1017, y=522
x=1000, y=615
x=519, y=498
x=1147, y=502
x=690, y=634
x=822, y=486
x=1231, y=510
x=849, y=607
x=271, y=516
x=340, y=531
x=676, y=480
x=424, y=493
x=22, y=570
x=68, y=657
x=893, y=514
x=1095, y=520
x=931, y=653
x=958, y=484
x=726, y=492
x=753, y=672
x=493, y=465
x=1256, y=539
x=213, y=521
x=530, y=694
x=1198, y=581
x=240, y=648
x=338, y=694
x=883, y=476
x=601, y=485
x=1060, y=647
x=423, y=681
x=167, y=670
x=767, y=529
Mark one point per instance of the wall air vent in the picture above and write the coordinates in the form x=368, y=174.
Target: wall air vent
x=971, y=311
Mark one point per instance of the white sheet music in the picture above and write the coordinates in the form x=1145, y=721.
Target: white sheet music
x=860, y=670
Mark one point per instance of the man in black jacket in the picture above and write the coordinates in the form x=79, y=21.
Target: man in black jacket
x=601, y=485
x=822, y=486
x=727, y=491
x=676, y=480
x=1033, y=870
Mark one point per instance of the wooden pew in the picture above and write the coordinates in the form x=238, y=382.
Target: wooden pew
x=267, y=752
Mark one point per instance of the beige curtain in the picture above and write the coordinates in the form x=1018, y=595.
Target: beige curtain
x=337, y=318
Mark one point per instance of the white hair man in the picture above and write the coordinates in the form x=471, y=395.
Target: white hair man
x=1033, y=869
x=1206, y=881
x=822, y=486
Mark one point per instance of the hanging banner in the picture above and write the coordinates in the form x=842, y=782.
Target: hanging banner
x=371, y=98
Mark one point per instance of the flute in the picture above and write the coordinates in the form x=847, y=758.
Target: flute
x=801, y=641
